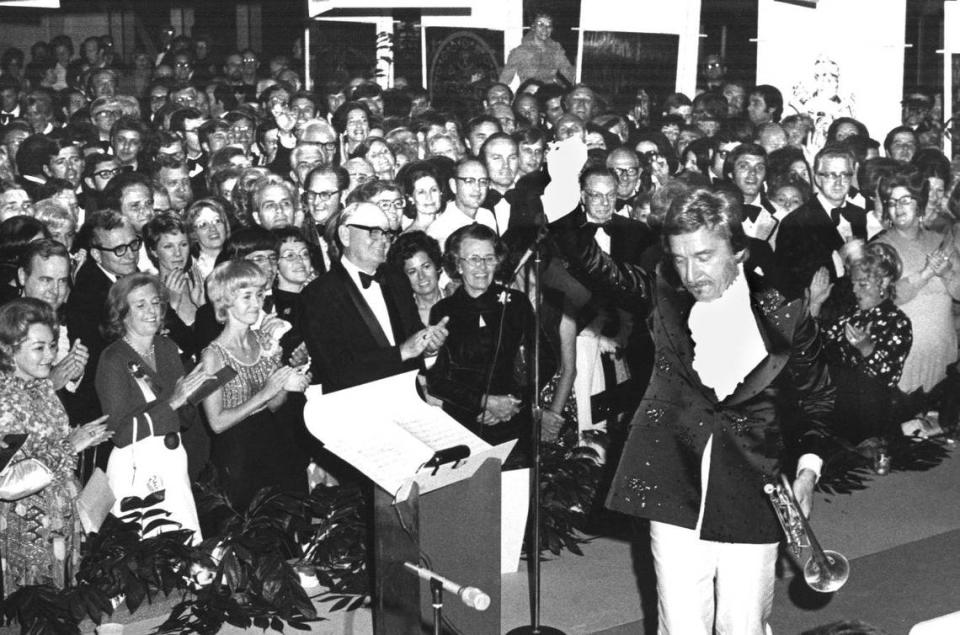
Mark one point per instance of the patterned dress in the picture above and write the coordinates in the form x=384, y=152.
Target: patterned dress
x=892, y=336
x=39, y=534
x=261, y=450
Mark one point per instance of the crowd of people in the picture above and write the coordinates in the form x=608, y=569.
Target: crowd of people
x=188, y=243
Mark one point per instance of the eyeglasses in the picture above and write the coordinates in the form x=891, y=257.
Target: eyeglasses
x=836, y=176
x=471, y=181
x=476, y=262
x=622, y=172
x=108, y=174
x=653, y=155
x=902, y=202
x=121, y=250
x=321, y=197
x=104, y=114
x=377, y=233
x=290, y=256
x=261, y=259
x=596, y=197
x=387, y=205
x=210, y=224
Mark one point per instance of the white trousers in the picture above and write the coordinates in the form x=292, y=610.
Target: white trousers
x=706, y=587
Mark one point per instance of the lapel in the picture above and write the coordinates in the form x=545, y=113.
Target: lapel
x=369, y=319
x=673, y=308
x=776, y=329
x=820, y=218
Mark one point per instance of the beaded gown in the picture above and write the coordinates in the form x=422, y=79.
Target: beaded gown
x=261, y=450
x=39, y=534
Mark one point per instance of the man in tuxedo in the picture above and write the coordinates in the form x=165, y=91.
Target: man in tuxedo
x=738, y=393
x=810, y=235
x=114, y=251
x=746, y=167
x=500, y=155
x=360, y=321
x=323, y=190
x=625, y=163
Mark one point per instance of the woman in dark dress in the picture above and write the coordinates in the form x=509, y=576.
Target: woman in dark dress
x=480, y=374
x=252, y=447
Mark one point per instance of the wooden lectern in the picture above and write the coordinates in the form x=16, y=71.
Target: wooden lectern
x=436, y=499
x=454, y=531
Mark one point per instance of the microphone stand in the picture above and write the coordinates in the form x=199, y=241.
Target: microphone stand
x=534, y=551
x=436, y=591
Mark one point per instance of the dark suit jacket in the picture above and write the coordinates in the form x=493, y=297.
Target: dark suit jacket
x=778, y=412
x=628, y=238
x=85, y=312
x=806, y=242
x=343, y=337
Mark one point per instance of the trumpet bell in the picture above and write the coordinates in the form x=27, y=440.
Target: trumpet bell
x=830, y=578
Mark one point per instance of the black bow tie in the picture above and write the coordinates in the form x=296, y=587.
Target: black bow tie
x=752, y=212
x=620, y=204
x=856, y=217
x=835, y=215
x=494, y=197
x=598, y=226
x=366, y=279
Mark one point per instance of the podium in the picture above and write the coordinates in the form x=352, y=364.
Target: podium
x=443, y=517
x=457, y=529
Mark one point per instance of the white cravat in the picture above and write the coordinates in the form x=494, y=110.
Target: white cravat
x=374, y=298
x=727, y=341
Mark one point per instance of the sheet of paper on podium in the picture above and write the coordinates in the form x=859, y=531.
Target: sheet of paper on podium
x=385, y=430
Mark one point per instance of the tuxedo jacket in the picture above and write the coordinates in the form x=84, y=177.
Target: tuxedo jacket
x=85, y=311
x=628, y=238
x=805, y=242
x=778, y=412
x=345, y=341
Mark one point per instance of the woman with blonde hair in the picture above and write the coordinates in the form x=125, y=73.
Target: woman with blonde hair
x=252, y=447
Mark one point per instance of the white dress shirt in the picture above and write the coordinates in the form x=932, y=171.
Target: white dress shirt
x=374, y=298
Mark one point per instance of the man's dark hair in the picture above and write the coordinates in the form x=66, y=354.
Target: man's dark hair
x=772, y=98
x=705, y=209
x=751, y=149
x=127, y=122
x=597, y=170
x=178, y=118
x=118, y=184
x=43, y=249
x=34, y=153
x=366, y=90
x=888, y=140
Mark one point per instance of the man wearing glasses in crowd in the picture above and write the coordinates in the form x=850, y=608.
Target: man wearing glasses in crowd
x=469, y=185
x=321, y=197
x=114, y=249
x=810, y=236
x=363, y=323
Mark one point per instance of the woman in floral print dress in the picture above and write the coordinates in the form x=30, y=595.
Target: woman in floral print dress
x=867, y=346
x=39, y=534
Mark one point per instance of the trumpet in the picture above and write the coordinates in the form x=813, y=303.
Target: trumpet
x=825, y=571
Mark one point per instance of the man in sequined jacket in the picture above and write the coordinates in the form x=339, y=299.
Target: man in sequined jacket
x=738, y=391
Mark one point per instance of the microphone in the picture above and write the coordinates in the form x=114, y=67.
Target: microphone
x=471, y=596
x=541, y=234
